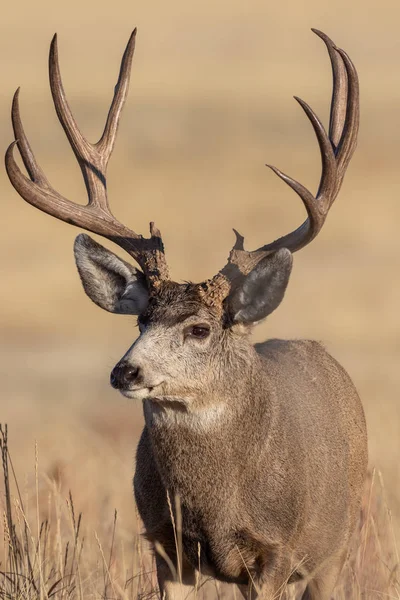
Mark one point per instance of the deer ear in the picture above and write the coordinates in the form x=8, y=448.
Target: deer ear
x=109, y=281
x=262, y=290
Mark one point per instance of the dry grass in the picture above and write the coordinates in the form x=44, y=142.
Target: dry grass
x=50, y=551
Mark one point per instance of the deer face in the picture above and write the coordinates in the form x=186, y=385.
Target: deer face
x=177, y=350
x=187, y=347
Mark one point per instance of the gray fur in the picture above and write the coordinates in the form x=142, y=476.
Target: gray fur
x=265, y=445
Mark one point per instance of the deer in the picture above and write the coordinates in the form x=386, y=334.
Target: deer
x=264, y=445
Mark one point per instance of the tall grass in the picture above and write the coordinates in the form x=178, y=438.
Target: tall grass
x=58, y=557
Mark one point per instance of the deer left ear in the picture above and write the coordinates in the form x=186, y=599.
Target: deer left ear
x=262, y=290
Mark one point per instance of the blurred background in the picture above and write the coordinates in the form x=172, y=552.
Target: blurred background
x=210, y=103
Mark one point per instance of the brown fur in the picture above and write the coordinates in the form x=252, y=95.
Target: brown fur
x=272, y=486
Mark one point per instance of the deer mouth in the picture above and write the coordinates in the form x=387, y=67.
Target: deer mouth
x=140, y=393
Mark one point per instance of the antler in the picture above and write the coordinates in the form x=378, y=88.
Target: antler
x=96, y=216
x=336, y=151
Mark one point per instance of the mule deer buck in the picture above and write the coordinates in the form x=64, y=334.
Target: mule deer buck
x=265, y=445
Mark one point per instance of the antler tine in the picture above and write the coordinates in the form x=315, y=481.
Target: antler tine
x=96, y=216
x=107, y=140
x=339, y=90
x=348, y=141
x=35, y=172
x=316, y=216
x=92, y=158
x=345, y=106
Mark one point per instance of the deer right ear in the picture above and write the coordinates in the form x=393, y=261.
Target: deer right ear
x=109, y=281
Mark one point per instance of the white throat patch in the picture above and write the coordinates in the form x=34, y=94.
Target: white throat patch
x=174, y=412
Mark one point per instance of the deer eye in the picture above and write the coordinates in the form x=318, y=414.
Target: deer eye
x=198, y=331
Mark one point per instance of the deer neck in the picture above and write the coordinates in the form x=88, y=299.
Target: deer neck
x=220, y=406
x=204, y=437
x=190, y=413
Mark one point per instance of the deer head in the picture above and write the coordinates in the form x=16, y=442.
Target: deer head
x=183, y=326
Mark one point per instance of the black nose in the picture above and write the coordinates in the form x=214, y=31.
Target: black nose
x=123, y=375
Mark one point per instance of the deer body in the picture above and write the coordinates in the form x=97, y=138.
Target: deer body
x=264, y=445
x=270, y=484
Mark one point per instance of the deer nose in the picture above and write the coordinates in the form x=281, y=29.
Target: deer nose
x=123, y=375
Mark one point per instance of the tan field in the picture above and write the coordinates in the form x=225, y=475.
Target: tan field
x=210, y=103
